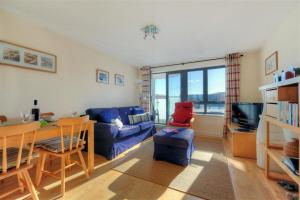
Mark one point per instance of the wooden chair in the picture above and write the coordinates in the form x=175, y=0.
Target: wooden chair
x=15, y=157
x=71, y=141
x=3, y=118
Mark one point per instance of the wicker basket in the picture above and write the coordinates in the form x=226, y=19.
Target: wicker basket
x=291, y=149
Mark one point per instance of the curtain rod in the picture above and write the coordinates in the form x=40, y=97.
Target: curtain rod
x=191, y=62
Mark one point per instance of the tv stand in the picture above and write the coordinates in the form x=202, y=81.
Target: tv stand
x=244, y=126
x=243, y=143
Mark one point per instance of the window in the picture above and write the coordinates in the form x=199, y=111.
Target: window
x=195, y=89
x=215, y=90
x=205, y=87
x=158, y=97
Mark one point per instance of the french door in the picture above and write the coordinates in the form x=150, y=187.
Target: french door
x=174, y=91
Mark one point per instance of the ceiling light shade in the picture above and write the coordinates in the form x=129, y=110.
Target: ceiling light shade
x=151, y=30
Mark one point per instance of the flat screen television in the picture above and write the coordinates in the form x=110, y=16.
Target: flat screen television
x=246, y=114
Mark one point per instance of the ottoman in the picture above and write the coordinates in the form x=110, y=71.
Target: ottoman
x=174, y=145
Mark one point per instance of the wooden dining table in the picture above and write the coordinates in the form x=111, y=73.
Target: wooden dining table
x=52, y=130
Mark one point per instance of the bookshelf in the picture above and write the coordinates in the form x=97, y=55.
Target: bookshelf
x=274, y=94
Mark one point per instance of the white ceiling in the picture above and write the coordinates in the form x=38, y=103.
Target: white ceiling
x=190, y=30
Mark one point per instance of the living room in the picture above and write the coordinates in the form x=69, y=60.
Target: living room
x=115, y=61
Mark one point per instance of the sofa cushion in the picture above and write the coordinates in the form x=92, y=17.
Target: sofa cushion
x=108, y=115
x=146, y=125
x=117, y=122
x=128, y=130
x=124, y=112
x=138, y=110
x=134, y=119
x=94, y=112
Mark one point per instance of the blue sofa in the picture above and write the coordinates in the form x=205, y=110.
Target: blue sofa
x=110, y=141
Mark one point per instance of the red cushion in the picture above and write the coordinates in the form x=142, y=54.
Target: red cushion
x=183, y=112
x=180, y=115
x=179, y=124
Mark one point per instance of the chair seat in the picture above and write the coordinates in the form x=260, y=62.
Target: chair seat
x=54, y=144
x=12, y=155
x=179, y=124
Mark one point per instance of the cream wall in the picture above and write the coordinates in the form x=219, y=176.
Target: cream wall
x=73, y=87
x=285, y=40
x=249, y=77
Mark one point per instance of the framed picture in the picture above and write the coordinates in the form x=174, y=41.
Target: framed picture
x=119, y=79
x=102, y=76
x=271, y=63
x=27, y=58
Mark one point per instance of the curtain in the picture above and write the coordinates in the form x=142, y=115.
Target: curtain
x=232, y=86
x=145, y=88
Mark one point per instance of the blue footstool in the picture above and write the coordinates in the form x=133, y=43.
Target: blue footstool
x=174, y=145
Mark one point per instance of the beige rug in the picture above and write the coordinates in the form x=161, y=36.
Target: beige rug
x=207, y=177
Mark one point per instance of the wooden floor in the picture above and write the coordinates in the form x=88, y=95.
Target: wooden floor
x=248, y=180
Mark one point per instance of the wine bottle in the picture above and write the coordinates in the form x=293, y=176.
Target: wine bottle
x=35, y=111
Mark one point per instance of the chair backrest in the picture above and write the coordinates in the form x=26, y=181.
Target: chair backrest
x=3, y=118
x=185, y=109
x=14, y=136
x=75, y=128
x=188, y=106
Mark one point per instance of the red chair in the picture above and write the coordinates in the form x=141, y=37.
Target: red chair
x=183, y=115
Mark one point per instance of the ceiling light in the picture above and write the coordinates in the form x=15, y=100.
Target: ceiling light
x=151, y=30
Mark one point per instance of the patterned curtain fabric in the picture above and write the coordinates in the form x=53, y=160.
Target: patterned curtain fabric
x=145, y=90
x=232, y=86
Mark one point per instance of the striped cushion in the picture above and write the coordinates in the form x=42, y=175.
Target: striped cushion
x=134, y=119
x=54, y=144
x=12, y=155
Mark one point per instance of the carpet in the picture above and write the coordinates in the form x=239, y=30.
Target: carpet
x=206, y=177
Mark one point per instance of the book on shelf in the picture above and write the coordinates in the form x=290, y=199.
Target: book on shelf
x=288, y=113
x=292, y=164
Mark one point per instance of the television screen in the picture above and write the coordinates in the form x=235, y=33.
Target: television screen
x=246, y=113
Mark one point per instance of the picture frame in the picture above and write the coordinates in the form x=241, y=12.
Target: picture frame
x=27, y=58
x=119, y=79
x=102, y=76
x=271, y=63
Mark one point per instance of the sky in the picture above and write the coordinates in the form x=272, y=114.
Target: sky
x=216, y=83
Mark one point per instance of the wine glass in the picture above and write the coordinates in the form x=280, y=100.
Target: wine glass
x=25, y=117
x=74, y=112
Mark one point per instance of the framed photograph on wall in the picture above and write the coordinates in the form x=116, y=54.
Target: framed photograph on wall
x=271, y=63
x=27, y=58
x=119, y=79
x=102, y=76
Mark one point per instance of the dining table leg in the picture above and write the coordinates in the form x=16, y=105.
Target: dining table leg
x=91, y=153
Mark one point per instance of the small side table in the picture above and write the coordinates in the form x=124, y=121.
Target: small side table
x=243, y=144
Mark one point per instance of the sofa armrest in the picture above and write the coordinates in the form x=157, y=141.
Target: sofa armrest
x=106, y=130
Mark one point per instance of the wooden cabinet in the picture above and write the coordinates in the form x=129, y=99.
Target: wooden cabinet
x=243, y=144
